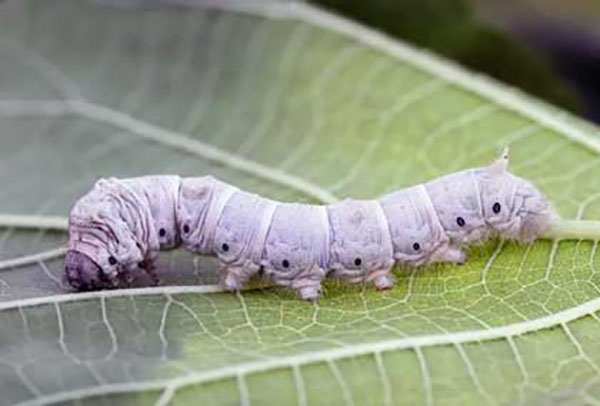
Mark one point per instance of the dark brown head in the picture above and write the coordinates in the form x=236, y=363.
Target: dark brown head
x=84, y=274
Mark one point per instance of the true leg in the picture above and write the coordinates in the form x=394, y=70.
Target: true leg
x=150, y=268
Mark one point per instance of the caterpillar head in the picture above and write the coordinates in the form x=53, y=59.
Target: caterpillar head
x=102, y=250
x=83, y=273
x=512, y=206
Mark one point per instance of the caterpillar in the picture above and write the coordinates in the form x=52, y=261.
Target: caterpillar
x=119, y=227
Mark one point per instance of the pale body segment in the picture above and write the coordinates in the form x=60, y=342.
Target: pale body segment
x=240, y=237
x=296, y=249
x=360, y=242
x=119, y=227
x=417, y=235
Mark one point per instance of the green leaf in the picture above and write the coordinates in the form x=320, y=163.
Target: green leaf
x=289, y=101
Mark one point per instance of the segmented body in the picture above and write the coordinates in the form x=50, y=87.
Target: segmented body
x=122, y=224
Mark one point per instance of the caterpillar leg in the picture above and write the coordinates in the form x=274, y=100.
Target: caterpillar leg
x=233, y=278
x=124, y=278
x=449, y=254
x=382, y=279
x=384, y=282
x=150, y=268
x=307, y=285
x=309, y=293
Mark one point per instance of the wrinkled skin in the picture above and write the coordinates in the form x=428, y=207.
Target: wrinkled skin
x=240, y=236
x=296, y=249
x=117, y=230
x=120, y=226
x=456, y=200
x=360, y=244
x=418, y=237
x=201, y=202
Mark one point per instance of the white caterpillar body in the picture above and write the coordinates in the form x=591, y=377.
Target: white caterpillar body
x=360, y=242
x=296, y=251
x=120, y=226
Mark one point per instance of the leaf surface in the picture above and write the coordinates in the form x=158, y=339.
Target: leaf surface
x=291, y=102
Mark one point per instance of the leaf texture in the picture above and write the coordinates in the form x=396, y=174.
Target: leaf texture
x=297, y=104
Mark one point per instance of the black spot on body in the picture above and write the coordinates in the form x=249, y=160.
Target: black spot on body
x=112, y=260
x=460, y=221
x=416, y=246
x=186, y=228
x=357, y=261
x=285, y=263
x=225, y=247
x=496, y=208
x=162, y=232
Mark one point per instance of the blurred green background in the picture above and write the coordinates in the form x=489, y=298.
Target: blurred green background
x=549, y=48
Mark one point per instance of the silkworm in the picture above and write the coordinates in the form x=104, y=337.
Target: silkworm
x=118, y=228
